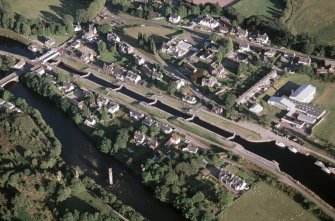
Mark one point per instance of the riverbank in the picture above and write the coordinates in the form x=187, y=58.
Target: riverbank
x=78, y=150
x=4, y=32
x=32, y=148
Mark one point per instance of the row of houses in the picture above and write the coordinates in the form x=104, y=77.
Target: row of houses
x=261, y=86
x=232, y=180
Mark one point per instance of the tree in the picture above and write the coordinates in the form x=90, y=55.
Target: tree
x=78, y=118
x=102, y=48
x=182, y=11
x=154, y=130
x=144, y=129
x=121, y=140
x=104, y=114
x=229, y=100
x=6, y=8
x=25, y=29
x=153, y=46
x=168, y=11
x=80, y=14
x=105, y=145
x=229, y=46
x=140, y=39
x=104, y=29
x=172, y=87
x=63, y=193
x=242, y=68
x=68, y=22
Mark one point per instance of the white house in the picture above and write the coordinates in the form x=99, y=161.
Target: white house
x=139, y=60
x=189, y=99
x=90, y=122
x=244, y=47
x=126, y=48
x=112, y=107
x=209, y=22
x=67, y=87
x=180, y=83
x=131, y=76
x=76, y=44
x=209, y=82
x=262, y=39
x=218, y=71
x=102, y=101
x=174, y=19
x=164, y=127
x=305, y=93
x=76, y=27
x=241, y=33
x=139, y=138
x=111, y=36
x=136, y=115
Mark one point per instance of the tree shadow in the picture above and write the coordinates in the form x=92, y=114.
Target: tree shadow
x=50, y=17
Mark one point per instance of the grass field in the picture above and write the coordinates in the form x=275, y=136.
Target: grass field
x=316, y=17
x=270, y=8
x=325, y=98
x=230, y=126
x=266, y=203
x=51, y=10
x=159, y=34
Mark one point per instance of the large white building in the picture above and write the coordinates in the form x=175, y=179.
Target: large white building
x=305, y=93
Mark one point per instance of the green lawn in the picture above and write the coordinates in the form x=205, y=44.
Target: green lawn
x=51, y=10
x=316, y=17
x=192, y=128
x=230, y=126
x=266, y=203
x=270, y=8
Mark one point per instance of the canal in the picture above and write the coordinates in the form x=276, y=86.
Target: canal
x=298, y=166
x=78, y=150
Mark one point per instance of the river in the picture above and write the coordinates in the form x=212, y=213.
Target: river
x=78, y=150
x=14, y=47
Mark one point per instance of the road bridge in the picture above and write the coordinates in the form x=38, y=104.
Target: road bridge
x=10, y=78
